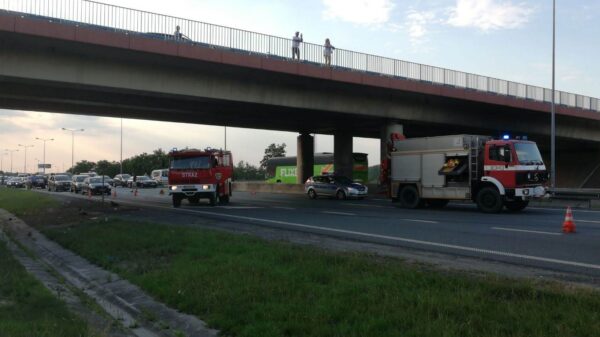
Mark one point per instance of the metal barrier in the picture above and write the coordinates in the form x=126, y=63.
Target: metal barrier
x=116, y=18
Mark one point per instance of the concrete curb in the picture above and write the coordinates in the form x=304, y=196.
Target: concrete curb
x=120, y=299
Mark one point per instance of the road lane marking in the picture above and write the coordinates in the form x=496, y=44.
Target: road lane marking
x=386, y=237
x=419, y=220
x=362, y=205
x=239, y=207
x=338, y=213
x=588, y=221
x=524, y=231
x=286, y=208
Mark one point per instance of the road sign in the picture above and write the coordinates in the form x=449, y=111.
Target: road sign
x=41, y=166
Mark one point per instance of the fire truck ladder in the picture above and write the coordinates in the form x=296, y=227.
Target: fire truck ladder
x=474, y=159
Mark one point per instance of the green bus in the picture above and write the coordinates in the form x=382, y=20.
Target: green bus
x=283, y=169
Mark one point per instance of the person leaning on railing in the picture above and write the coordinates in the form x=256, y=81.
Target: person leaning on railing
x=327, y=51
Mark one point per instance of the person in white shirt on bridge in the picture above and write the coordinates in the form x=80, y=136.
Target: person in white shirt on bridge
x=327, y=51
x=178, y=35
x=296, y=45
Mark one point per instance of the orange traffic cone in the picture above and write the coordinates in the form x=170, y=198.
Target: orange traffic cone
x=569, y=224
x=135, y=193
x=162, y=191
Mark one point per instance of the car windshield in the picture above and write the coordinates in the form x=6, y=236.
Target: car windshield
x=125, y=176
x=528, y=154
x=343, y=180
x=191, y=163
x=95, y=180
x=61, y=178
x=80, y=178
x=142, y=178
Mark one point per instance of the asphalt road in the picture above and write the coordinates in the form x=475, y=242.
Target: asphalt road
x=531, y=238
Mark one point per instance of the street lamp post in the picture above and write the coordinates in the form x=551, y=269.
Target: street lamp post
x=25, y=164
x=72, y=131
x=553, y=108
x=11, y=156
x=44, y=157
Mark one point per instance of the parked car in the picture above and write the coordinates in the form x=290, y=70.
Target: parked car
x=95, y=186
x=142, y=182
x=38, y=181
x=15, y=182
x=339, y=187
x=121, y=180
x=107, y=179
x=77, y=182
x=59, y=182
x=160, y=176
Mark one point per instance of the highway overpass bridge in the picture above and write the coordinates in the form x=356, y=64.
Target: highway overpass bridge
x=96, y=59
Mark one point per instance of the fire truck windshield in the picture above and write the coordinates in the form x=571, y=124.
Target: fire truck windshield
x=191, y=163
x=528, y=154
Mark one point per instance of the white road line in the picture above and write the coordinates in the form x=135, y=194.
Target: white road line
x=419, y=220
x=338, y=213
x=240, y=207
x=386, y=237
x=587, y=221
x=524, y=231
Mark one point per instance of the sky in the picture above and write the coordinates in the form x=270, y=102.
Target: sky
x=506, y=39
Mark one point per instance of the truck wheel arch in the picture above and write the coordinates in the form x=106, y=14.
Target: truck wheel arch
x=493, y=181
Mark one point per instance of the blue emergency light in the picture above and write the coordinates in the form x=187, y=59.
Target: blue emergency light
x=506, y=137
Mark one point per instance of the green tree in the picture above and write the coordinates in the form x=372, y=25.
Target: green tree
x=244, y=171
x=272, y=151
x=105, y=167
x=82, y=167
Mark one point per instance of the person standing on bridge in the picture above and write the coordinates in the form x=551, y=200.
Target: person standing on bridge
x=327, y=51
x=296, y=45
x=178, y=35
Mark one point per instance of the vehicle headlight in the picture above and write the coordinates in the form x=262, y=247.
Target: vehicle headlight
x=206, y=187
x=173, y=188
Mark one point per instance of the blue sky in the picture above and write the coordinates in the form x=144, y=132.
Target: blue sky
x=500, y=38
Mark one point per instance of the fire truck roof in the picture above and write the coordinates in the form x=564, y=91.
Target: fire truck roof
x=197, y=152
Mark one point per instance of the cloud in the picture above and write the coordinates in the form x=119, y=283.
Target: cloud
x=364, y=12
x=417, y=23
x=488, y=15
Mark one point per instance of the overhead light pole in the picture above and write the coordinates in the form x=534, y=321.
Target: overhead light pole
x=2, y=161
x=44, y=157
x=25, y=164
x=11, y=157
x=72, y=131
x=553, y=107
x=121, y=171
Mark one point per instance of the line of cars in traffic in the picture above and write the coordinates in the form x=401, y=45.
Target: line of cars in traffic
x=85, y=182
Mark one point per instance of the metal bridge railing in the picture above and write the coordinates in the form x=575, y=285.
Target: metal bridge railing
x=116, y=18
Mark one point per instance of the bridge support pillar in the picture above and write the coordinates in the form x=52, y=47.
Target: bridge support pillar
x=386, y=143
x=342, y=153
x=305, y=158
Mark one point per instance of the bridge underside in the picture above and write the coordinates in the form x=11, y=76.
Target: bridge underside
x=50, y=75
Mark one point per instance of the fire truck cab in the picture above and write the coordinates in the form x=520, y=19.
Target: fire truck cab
x=200, y=174
x=494, y=173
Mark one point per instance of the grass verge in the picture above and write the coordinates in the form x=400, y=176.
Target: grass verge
x=245, y=286
x=21, y=202
x=27, y=308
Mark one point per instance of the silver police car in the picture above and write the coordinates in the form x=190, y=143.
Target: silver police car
x=339, y=187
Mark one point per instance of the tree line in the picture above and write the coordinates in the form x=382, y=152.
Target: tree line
x=143, y=164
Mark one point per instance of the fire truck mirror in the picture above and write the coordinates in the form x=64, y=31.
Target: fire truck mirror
x=507, y=157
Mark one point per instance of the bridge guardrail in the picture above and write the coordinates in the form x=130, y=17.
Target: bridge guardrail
x=143, y=22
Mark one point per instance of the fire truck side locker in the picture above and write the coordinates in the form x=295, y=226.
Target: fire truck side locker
x=422, y=162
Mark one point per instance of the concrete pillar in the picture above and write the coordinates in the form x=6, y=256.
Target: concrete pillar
x=386, y=131
x=305, y=159
x=342, y=153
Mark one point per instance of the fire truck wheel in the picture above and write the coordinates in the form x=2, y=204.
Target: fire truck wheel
x=516, y=205
x=176, y=200
x=213, y=199
x=224, y=199
x=489, y=200
x=409, y=197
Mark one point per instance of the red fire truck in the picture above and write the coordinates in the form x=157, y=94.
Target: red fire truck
x=200, y=174
x=494, y=173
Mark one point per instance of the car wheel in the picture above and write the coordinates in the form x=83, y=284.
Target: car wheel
x=489, y=200
x=409, y=197
x=312, y=194
x=340, y=195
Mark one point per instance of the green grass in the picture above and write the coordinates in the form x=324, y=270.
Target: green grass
x=245, y=286
x=28, y=309
x=20, y=202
